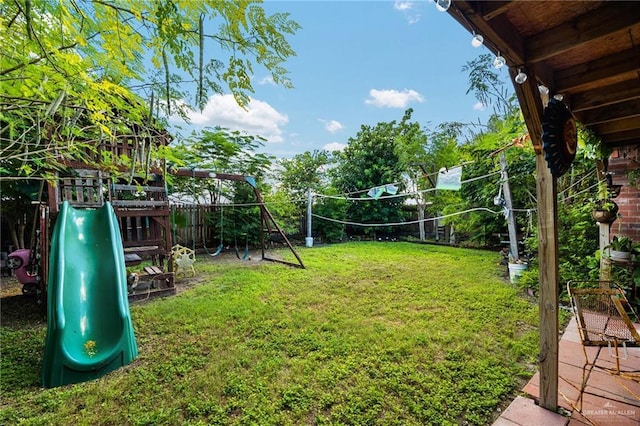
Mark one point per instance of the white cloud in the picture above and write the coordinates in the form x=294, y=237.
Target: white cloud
x=334, y=146
x=403, y=5
x=259, y=118
x=267, y=80
x=332, y=126
x=407, y=9
x=393, y=98
x=479, y=106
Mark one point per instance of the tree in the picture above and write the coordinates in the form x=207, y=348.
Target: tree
x=78, y=74
x=220, y=150
x=297, y=176
x=373, y=158
x=17, y=210
x=217, y=150
x=579, y=239
x=439, y=150
x=333, y=206
x=75, y=73
x=487, y=86
x=304, y=171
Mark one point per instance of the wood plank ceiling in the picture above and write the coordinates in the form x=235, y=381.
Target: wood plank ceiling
x=586, y=51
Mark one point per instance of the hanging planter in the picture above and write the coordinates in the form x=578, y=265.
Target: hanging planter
x=559, y=137
x=605, y=212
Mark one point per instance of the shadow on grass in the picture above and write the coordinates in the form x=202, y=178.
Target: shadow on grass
x=21, y=311
x=24, y=325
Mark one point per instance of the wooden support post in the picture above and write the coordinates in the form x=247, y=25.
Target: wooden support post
x=548, y=262
x=605, y=262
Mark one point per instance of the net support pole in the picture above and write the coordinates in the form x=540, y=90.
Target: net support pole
x=309, y=202
x=511, y=220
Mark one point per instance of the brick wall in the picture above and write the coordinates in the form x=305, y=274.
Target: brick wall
x=623, y=160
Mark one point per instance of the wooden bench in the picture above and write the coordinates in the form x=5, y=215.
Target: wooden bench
x=155, y=273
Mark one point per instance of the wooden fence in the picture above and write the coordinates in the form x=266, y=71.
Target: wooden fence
x=199, y=227
x=195, y=225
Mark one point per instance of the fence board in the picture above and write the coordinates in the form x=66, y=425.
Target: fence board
x=197, y=231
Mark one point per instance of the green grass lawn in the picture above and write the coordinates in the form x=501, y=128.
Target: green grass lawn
x=369, y=333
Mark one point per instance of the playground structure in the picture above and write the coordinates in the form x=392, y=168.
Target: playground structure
x=91, y=222
x=139, y=199
x=269, y=227
x=118, y=169
x=140, y=202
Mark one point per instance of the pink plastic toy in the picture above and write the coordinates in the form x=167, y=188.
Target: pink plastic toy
x=19, y=261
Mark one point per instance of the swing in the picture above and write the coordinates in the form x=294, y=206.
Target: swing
x=221, y=246
x=245, y=255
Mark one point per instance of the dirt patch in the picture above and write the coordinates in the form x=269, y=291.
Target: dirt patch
x=10, y=286
x=186, y=280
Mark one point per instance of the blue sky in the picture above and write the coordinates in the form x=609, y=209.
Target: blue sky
x=358, y=62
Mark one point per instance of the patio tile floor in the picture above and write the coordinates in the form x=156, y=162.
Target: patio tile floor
x=608, y=397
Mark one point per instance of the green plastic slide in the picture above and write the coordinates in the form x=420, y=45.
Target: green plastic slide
x=89, y=330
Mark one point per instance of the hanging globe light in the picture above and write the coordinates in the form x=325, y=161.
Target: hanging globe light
x=499, y=62
x=443, y=5
x=477, y=40
x=521, y=77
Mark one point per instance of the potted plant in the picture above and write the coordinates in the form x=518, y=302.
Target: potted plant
x=605, y=209
x=634, y=177
x=621, y=248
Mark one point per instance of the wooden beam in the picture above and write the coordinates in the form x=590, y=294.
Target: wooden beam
x=597, y=24
x=596, y=73
x=611, y=113
x=617, y=126
x=195, y=173
x=546, y=189
x=531, y=106
x=232, y=176
x=608, y=95
x=544, y=75
x=499, y=34
x=603, y=241
x=622, y=138
x=206, y=174
x=491, y=9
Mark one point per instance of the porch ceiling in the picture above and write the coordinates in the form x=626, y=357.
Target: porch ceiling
x=587, y=51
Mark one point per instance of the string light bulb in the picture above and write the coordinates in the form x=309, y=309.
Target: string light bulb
x=558, y=97
x=499, y=62
x=521, y=77
x=443, y=5
x=544, y=90
x=477, y=40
